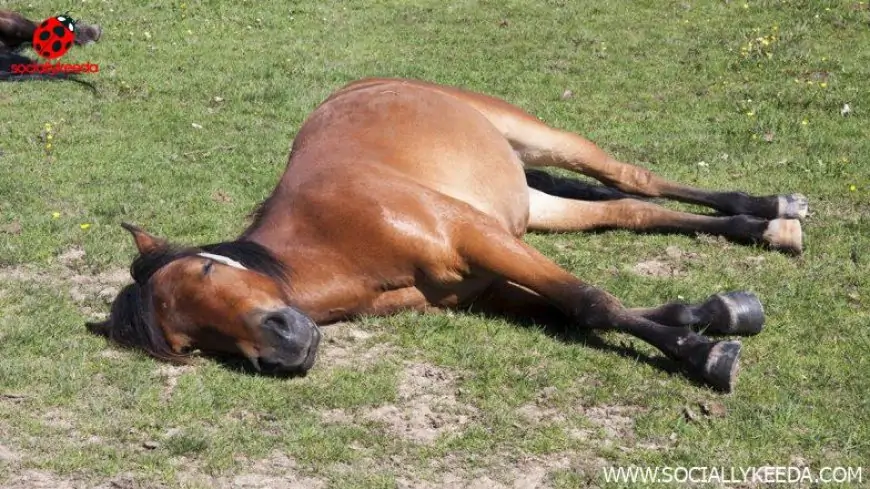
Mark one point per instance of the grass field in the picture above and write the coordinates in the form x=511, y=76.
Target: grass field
x=199, y=103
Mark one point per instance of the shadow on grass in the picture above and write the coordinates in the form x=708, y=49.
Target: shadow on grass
x=243, y=366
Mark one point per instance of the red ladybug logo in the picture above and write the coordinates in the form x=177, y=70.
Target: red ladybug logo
x=53, y=38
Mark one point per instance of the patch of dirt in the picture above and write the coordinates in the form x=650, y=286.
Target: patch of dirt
x=656, y=268
x=170, y=375
x=39, y=479
x=670, y=264
x=278, y=471
x=83, y=287
x=428, y=406
x=13, y=228
x=221, y=196
x=526, y=473
x=709, y=239
x=8, y=455
x=72, y=257
x=534, y=413
x=345, y=345
x=336, y=416
x=57, y=419
x=542, y=411
x=111, y=354
x=616, y=421
x=127, y=482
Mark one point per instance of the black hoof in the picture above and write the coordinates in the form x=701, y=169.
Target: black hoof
x=733, y=313
x=720, y=369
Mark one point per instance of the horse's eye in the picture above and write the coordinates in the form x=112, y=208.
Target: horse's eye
x=206, y=269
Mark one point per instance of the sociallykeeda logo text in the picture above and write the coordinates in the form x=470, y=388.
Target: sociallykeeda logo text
x=54, y=68
x=52, y=38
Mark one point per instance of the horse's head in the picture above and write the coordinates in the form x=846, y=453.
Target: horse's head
x=228, y=298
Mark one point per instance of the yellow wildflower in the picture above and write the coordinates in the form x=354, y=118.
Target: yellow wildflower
x=55, y=215
x=84, y=225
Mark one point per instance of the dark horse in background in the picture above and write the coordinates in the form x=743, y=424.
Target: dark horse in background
x=16, y=33
x=401, y=194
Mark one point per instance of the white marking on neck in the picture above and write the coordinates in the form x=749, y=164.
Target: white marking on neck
x=224, y=260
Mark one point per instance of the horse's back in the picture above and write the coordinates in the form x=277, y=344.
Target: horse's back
x=409, y=134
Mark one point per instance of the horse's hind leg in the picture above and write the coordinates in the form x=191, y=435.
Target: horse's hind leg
x=540, y=145
x=487, y=247
x=550, y=213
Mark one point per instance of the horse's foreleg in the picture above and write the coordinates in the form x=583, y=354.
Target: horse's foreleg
x=550, y=213
x=489, y=248
x=732, y=313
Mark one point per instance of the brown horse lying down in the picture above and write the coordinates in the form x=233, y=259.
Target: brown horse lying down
x=402, y=194
x=16, y=32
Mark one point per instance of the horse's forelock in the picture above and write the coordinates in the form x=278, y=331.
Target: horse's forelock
x=133, y=324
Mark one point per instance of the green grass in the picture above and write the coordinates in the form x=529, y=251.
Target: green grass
x=664, y=84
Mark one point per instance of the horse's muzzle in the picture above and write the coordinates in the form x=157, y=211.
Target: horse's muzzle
x=290, y=342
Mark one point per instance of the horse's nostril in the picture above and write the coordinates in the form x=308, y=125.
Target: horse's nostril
x=278, y=320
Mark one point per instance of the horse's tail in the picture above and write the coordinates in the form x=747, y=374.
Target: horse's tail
x=572, y=188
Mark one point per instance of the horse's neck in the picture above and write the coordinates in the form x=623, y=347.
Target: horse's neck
x=322, y=283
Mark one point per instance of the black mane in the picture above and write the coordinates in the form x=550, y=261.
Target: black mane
x=252, y=255
x=132, y=321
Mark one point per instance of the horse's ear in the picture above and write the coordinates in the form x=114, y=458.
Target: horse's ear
x=145, y=242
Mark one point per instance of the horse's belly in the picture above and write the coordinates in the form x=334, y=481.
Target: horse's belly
x=432, y=138
x=496, y=188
